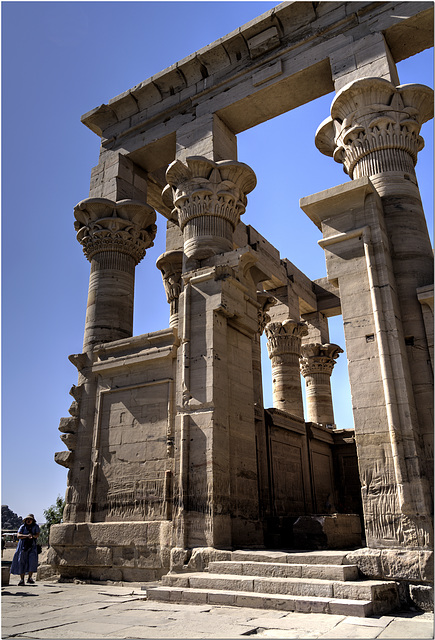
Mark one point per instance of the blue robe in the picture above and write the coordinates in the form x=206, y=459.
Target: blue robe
x=25, y=560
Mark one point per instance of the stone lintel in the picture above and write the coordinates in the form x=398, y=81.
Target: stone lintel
x=333, y=202
x=229, y=58
x=135, y=351
x=328, y=298
x=136, y=343
x=302, y=286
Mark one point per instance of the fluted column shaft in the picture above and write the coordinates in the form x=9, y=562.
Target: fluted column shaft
x=114, y=236
x=284, y=347
x=109, y=310
x=317, y=363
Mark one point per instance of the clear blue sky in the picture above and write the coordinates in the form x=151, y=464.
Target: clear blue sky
x=59, y=60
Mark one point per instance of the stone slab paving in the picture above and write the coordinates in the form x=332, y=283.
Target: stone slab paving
x=76, y=610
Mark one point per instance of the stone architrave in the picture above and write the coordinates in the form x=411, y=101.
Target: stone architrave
x=115, y=237
x=208, y=199
x=170, y=264
x=317, y=363
x=284, y=347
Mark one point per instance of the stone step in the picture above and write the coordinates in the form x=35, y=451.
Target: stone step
x=302, y=604
x=382, y=593
x=290, y=557
x=280, y=570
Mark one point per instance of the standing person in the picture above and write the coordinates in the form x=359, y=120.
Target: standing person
x=25, y=558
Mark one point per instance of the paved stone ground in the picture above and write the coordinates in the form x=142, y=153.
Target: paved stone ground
x=78, y=610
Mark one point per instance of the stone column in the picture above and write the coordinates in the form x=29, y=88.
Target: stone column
x=317, y=363
x=284, y=347
x=114, y=236
x=208, y=199
x=265, y=301
x=170, y=264
x=374, y=131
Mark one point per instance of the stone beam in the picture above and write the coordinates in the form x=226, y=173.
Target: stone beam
x=289, y=40
x=286, y=57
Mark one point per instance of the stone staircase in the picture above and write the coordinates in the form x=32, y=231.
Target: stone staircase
x=304, y=581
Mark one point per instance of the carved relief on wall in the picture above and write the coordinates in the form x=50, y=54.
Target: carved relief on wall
x=385, y=525
x=288, y=482
x=131, y=478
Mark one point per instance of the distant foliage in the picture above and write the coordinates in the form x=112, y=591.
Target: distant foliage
x=53, y=515
x=10, y=520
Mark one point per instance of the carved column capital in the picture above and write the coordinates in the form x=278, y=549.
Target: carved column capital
x=171, y=264
x=318, y=358
x=126, y=227
x=374, y=126
x=317, y=363
x=284, y=347
x=208, y=199
x=284, y=338
x=266, y=302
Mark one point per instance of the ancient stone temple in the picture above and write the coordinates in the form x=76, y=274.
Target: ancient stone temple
x=173, y=460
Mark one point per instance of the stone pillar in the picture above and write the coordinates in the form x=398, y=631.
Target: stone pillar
x=284, y=347
x=391, y=459
x=374, y=131
x=170, y=264
x=265, y=302
x=216, y=470
x=317, y=363
x=426, y=299
x=208, y=199
x=114, y=236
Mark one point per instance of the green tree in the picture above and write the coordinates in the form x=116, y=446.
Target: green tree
x=53, y=515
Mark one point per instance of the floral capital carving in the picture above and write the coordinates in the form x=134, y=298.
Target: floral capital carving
x=318, y=358
x=171, y=264
x=284, y=338
x=266, y=302
x=126, y=227
x=374, y=126
x=208, y=199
